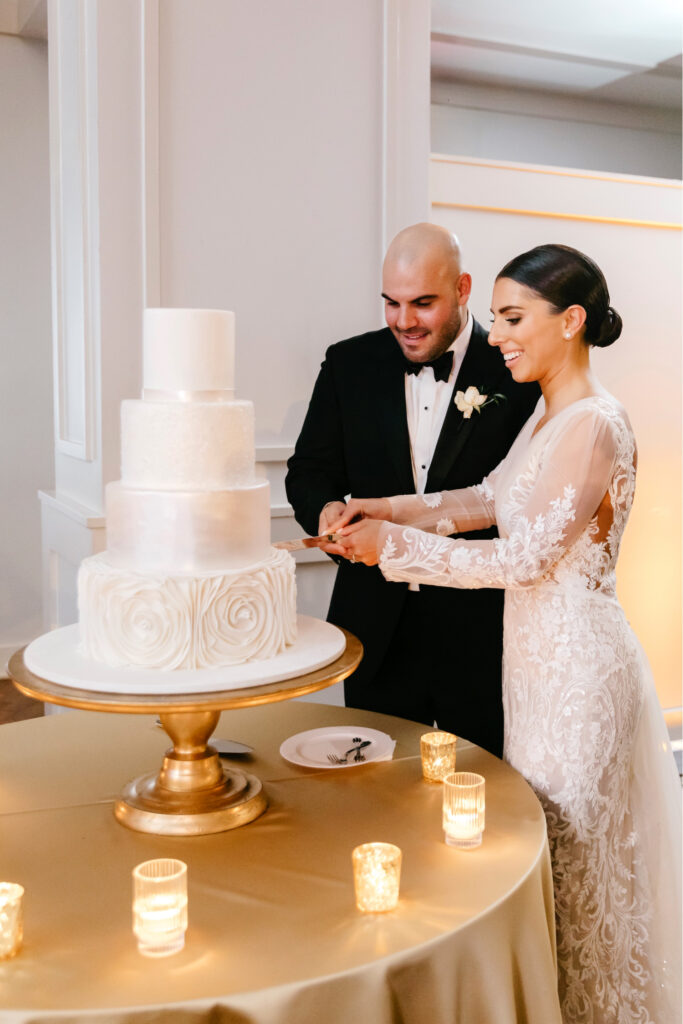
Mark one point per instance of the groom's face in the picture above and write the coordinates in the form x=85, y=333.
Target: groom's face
x=424, y=305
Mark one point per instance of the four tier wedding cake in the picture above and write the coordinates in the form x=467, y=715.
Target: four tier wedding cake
x=189, y=579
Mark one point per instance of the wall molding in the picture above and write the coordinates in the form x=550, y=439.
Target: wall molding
x=151, y=222
x=75, y=229
x=72, y=510
x=6, y=652
x=26, y=18
x=556, y=215
x=274, y=452
x=405, y=127
x=496, y=165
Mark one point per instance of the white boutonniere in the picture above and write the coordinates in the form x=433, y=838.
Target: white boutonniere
x=472, y=400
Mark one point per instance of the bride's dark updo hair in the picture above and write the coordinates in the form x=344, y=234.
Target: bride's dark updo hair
x=565, y=277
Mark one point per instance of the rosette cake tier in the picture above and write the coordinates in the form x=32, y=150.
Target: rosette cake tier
x=189, y=579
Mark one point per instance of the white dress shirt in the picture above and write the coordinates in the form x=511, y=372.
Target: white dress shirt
x=427, y=404
x=426, y=407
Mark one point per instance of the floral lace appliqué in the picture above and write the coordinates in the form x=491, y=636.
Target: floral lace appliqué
x=433, y=500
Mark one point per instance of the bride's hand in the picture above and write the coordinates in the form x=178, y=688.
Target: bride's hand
x=359, y=541
x=362, y=508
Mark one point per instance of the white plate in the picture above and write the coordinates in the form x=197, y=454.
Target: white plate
x=310, y=749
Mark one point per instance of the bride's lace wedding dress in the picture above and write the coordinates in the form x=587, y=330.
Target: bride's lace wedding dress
x=582, y=721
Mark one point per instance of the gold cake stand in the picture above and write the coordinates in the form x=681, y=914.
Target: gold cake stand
x=193, y=793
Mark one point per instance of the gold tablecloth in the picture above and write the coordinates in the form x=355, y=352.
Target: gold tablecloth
x=274, y=936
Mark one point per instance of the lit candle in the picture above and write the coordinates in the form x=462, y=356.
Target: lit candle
x=11, y=919
x=160, y=906
x=463, y=809
x=376, y=875
x=438, y=755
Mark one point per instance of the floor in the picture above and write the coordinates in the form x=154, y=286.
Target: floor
x=15, y=707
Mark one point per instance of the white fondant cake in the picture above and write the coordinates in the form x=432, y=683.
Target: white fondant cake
x=191, y=445
x=189, y=579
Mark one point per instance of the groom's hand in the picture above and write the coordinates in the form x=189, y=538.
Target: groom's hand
x=330, y=514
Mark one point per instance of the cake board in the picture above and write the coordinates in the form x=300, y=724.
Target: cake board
x=193, y=793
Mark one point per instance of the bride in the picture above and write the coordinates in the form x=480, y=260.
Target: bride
x=582, y=721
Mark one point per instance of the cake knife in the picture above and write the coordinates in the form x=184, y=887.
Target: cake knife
x=306, y=542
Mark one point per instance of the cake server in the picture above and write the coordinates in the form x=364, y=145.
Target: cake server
x=306, y=542
x=223, y=747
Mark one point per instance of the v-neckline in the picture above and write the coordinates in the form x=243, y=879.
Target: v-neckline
x=539, y=428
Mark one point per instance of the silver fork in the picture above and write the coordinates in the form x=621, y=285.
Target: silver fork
x=356, y=751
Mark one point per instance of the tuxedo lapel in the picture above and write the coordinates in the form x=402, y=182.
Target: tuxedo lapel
x=389, y=400
x=480, y=368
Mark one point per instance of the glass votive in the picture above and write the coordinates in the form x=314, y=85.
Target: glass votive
x=463, y=809
x=11, y=919
x=438, y=755
x=376, y=876
x=160, y=906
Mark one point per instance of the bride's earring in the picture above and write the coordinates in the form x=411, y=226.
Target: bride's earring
x=567, y=335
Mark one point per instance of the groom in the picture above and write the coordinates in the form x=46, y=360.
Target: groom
x=383, y=421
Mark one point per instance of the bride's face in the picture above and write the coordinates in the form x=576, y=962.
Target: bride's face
x=528, y=332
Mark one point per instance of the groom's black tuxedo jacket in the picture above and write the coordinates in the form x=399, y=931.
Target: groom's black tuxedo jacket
x=355, y=441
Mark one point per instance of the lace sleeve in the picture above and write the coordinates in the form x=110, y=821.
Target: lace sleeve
x=550, y=504
x=446, y=512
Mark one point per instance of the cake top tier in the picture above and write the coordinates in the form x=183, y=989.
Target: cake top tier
x=190, y=351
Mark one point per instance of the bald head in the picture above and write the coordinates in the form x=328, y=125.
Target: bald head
x=425, y=291
x=426, y=243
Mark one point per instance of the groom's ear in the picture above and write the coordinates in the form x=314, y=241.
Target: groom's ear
x=464, y=288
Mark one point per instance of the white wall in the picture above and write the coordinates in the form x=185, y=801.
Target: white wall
x=626, y=225
x=270, y=187
x=565, y=131
x=26, y=440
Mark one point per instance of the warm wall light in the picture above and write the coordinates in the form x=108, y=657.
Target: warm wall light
x=463, y=809
x=160, y=906
x=11, y=919
x=438, y=755
x=376, y=875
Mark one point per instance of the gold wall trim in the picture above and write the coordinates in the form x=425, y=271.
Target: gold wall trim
x=627, y=222
x=556, y=172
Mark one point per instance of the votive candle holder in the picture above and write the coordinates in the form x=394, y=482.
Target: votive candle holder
x=463, y=809
x=376, y=876
x=160, y=906
x=11, y=919
x=437, y=750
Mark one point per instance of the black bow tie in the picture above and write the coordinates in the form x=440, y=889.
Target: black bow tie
x=442, y=366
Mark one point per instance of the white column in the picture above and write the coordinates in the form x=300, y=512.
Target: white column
x=100, y=195
x=406, y=128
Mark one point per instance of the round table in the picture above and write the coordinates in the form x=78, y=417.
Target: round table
x=193, y=793
x=274, y=936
